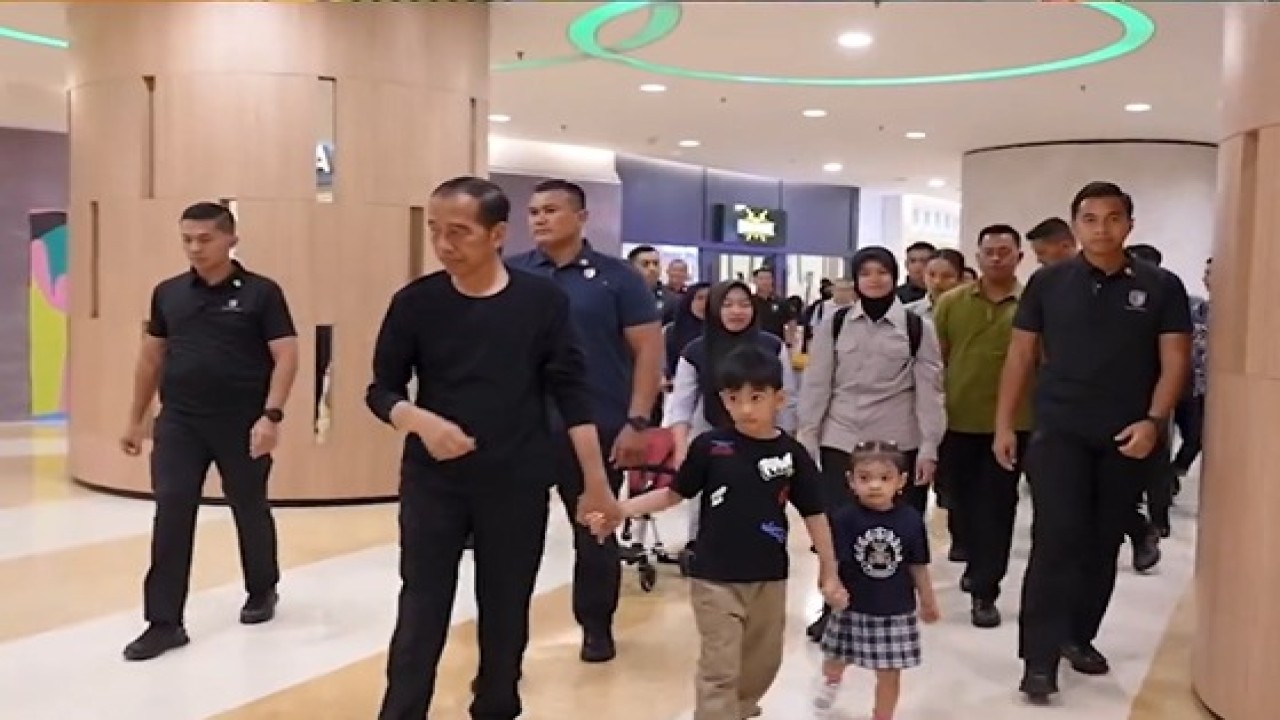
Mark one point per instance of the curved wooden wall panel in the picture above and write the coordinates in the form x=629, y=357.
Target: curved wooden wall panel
x=175, y=103
x=1237, y=576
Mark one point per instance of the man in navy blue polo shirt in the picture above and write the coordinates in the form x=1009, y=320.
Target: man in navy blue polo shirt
x=618, y=326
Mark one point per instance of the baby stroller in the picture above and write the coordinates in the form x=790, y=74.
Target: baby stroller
x=655, y=474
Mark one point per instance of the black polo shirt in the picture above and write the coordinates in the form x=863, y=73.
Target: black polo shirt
x=216, y=359
x=1100, y=334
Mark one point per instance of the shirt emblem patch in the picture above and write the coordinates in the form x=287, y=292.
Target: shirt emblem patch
x=1137, y=299
x=721, y=448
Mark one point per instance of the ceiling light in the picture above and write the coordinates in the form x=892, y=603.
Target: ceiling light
x=916, y=135
x=1137, y=107
x=855, y=40
x=689, y=143
x=833, y=167
x=499, y=118
x=653, y=88
x=814, y=113
x=937, y=183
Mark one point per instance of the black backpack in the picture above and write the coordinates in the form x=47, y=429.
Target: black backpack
x=915, y=329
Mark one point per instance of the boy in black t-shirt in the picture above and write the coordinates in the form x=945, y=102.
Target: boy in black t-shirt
x=745, y=477
x=883, y=553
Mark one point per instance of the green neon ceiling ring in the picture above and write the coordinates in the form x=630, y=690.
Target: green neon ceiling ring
x=1137, y=26
x=662, y=20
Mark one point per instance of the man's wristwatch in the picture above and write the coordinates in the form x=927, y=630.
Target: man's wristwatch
x=638, y=423
x=275, y=415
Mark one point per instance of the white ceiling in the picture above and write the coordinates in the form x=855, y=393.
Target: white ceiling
x=759, y=128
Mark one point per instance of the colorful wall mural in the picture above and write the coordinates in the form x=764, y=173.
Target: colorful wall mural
x=48, y=313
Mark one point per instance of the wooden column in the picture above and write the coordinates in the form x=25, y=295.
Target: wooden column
x=1237, y=663
x=174, y=103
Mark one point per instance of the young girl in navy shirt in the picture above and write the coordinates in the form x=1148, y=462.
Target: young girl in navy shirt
x=882, y=551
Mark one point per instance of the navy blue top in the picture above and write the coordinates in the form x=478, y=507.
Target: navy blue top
x=875, y=551
x=606, y=296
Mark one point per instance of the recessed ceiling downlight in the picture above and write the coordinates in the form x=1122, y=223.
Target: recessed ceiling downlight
x=689, y=143
x=1137, y=107
x=653, y=88
x=855, y=40
x=937, y=183
x=915, y=135
x=814, y=113
x=833, y=167
x=499, y=118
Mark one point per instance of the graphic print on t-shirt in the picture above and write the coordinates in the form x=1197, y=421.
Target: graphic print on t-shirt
x=717, y=496
x=879, y=552
x=775, y=531
x=772, y=468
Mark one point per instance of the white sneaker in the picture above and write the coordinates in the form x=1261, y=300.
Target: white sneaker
x=825, y=695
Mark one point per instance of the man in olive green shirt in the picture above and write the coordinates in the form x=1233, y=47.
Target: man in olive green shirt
x=974, y=323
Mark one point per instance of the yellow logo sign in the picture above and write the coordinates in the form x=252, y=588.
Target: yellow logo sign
x=755, y=226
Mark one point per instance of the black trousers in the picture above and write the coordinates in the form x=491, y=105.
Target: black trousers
x=1189, y=417
x=1083, y=492
x=184, y=448
x=1157, y=488
x=597, y=567
x=984, y=505
x=836, y=491
x=507, y=517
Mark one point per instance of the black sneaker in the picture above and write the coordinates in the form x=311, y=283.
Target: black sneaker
x=1039, y=685
x=259, y=608
x=598, y=647
x=155, y=641
x=1086, y=659
x=984, y=614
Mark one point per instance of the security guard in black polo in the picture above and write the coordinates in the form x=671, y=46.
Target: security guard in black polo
x=221, y=348
x=1115, y=336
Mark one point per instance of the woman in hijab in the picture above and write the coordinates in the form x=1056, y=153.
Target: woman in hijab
x=690, y=316
x=875, y=377
x=694, y=405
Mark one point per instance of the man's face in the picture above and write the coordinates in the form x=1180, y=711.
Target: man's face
x=917, y=261
x=998, y=256
x=205, y=244
x=649, y=265
x=1051, y=250
x=677, y=274
x=764, y=283
x=555, y=218
x=1102, y=224
x=460, y=240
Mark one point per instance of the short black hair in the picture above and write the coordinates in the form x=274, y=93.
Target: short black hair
x=749, y=367
x=221, y=215
x=1102, y=189
x=639, y=250
x=952, y=257
x=762, y=269
x=1000, y=229
x=921, y=245
x=574, y=190
x=1054, y=228
x=1149, y=253
x=495, y=206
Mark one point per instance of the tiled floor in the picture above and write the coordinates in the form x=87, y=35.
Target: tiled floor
x=71, y=563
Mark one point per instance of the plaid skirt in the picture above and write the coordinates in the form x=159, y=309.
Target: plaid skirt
x=873, y=642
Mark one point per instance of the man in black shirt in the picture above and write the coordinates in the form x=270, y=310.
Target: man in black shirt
x=773, y=313
x=221, y=348
x=918, y=256
x=478, y=452
x=1115, y=339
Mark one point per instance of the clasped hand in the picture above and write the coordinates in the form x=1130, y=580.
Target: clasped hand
x=834, y=593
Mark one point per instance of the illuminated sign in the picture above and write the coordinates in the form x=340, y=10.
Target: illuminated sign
x=755, y=225
x=324, y=165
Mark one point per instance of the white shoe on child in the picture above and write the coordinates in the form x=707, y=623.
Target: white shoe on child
x=825, y=695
